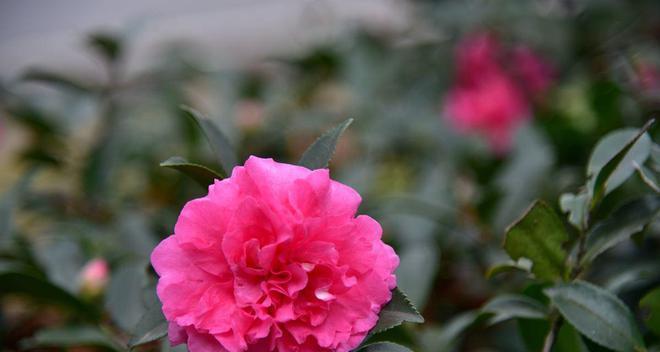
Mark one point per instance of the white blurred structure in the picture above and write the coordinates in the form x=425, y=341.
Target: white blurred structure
x=51, y=33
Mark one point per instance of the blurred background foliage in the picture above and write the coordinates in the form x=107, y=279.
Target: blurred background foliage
x=81, y=181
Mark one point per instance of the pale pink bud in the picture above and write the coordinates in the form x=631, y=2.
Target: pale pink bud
x=94, y=276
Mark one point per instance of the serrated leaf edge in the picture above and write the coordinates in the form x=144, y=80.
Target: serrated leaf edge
x=409, y=303
x=341, y=128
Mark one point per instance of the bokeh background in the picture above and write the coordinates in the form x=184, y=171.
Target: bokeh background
x=465, y=112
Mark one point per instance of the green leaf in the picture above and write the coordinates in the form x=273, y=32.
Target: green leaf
x=538, y=236
x=384, y=347
x=397, y=311
x=611, y=162
x=200, y=173
x=522, y=264
x=508, y=306
x=623, y=223
x=71, y=336
x=57, y=80
x=123, y=297
x=651, y=304
x=577, y=207
x=417, y=268
x=597, y=314
x=62, y=259
x=152, y=326
x=9, y=202
x=43, y=291
x=629, y=278
x=648, y=177
x=655, y=157
x=533, y=333
x=218, y=141
x=569, y=340
x=318, y=155
x=447, y=336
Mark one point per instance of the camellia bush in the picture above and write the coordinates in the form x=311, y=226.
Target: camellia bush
x=484, y=178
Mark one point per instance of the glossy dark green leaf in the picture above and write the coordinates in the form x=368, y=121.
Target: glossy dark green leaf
x=577, y=208
x=522, y=264
x=57, y=80
x=318, y=155
x=384, y=347
x=623, y=223
x=648, y=177
x=632, y=277
x=538, y=236
x=650, y=305
x=152, y=326
x=611, y=162
x=200, y=173
x=508, y=306
x=218, y=141
x=71, y=336
x=568, y=340
x=397, y=311
x=597, y=314
x=43, y=291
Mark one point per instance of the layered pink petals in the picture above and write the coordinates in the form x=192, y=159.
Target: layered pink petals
x=274, y=259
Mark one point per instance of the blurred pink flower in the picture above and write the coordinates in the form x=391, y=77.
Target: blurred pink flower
x=493, y=89
x=274, y=259
x=648, y=76
x=94, y=276
x=477, y=55
x=494, y=107
x=535, y=73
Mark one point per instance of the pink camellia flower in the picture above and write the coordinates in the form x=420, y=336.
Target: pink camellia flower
x=494, y=88
x=274, y=259
x=94, y=276
x=494, y=107
x=476, y=55
x=534, y=72
x=648, y=77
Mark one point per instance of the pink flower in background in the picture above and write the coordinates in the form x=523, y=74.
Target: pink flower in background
x=274, y=259
x=477, y=55
x=494, y=107
x=535, y=74
x=648, y=77
x=493, y=89
x=94, y=276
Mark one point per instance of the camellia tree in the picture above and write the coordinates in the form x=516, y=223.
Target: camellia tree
x=561, y=310
x=539, y=243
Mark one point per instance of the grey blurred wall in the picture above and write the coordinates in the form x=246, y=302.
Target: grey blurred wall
x=51, y=33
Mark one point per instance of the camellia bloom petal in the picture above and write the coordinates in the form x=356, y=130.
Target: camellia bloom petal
x=274, y=259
